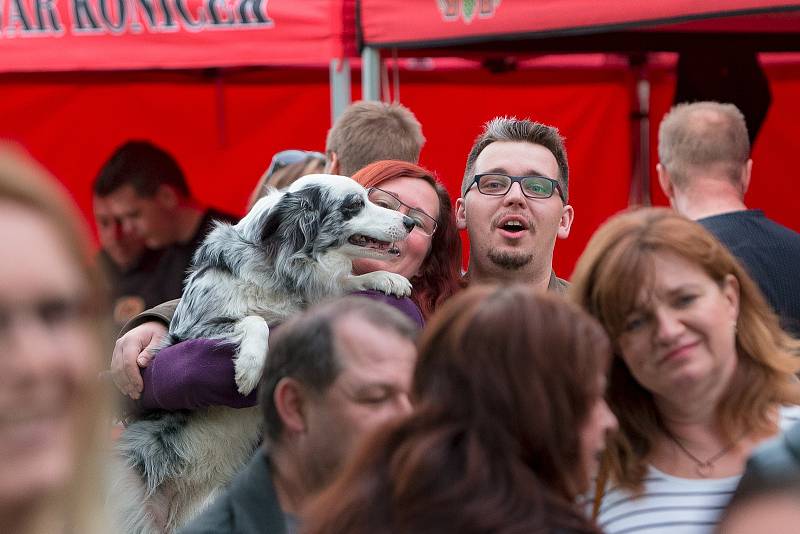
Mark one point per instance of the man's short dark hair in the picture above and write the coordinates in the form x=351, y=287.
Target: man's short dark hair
x=524, y=130
x=304, y=348
x=142, y=165
x=371, y=131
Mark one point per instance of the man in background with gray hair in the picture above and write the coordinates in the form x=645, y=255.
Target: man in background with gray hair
x=514, y=203
x=704, y=170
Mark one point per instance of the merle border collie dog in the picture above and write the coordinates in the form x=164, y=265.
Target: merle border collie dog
x=293, y=249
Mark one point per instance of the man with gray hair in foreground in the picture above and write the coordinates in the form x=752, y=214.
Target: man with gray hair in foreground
x=705, y=170
x=334, y=374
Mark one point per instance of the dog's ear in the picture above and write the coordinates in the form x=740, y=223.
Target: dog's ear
x=294, y=221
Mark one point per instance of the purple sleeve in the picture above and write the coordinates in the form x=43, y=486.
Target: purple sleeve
x=199, y=372
x=403, y=304
x=193, y=374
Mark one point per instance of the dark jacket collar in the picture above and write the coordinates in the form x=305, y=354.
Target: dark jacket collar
x=253, y=499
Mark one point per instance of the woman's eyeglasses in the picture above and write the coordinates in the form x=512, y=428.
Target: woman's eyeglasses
x=424, y=222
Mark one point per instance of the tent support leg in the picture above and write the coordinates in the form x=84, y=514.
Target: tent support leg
x=340, y=87
x=370, y=74
x=640, y=134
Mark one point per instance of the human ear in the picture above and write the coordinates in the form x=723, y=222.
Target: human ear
x=731, y=290
x=461, y=214
x=663, y=181
x=332, y=164
x=746, y=173
x=564, y=225
x=167, y=196
x=289, y=399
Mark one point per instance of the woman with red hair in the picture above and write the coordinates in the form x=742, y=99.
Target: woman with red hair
x=431, y=255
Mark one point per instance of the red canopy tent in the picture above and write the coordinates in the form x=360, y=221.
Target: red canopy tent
x=602, y=155
x=456, y=26
x=222, y=84
x=92, y=35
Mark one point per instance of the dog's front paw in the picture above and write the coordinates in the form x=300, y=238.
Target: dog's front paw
x=252, y=355
x=385, y=282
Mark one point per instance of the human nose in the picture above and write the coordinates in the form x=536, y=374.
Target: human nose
x=127, y=227
x=610, y=422
x=120, y=231
x=668, y=325
x=514, y=195
x=402, y=405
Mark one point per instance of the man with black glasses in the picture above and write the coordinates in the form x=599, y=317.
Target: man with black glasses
x=514, y=203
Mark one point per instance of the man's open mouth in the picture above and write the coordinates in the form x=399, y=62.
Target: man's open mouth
x=513, y=226
x=375, y=244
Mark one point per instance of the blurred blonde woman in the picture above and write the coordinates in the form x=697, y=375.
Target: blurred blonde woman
x=702, y=371
x=52, y=407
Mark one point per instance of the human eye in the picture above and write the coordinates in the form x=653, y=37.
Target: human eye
x=634, y=322
x=55, y=312
x=383, y=200
x=419, y=219
x=493, y=182
x=684, y=300
x=538, y=187
x=373, y=396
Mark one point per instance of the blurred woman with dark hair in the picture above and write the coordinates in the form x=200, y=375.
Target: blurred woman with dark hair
x=509, y=418
x=431, y=255
x=701, y=375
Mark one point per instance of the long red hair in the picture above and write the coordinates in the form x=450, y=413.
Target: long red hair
x=440, y=273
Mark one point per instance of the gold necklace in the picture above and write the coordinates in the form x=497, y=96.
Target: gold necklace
x=705, y=468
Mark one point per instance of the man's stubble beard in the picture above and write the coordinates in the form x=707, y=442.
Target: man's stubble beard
x=511, y=261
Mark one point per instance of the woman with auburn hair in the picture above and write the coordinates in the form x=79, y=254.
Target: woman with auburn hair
x=53, y=420
x=701, y=375
x=509, y=418
x=431, y=255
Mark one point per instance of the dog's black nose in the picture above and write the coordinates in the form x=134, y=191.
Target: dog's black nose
x=408, y=222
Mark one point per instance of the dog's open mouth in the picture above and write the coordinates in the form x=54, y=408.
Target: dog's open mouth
x=375, y=244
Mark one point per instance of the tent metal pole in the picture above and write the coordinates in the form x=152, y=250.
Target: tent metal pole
x=639, y=194
x=340, y=87
x=370, y=73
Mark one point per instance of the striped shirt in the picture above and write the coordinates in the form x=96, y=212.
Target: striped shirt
x=672, y=505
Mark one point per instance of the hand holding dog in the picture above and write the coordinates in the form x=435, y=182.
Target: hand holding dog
x=133, y=351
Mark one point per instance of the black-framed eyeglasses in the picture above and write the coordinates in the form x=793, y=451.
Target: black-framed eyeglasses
x=424, y=222
x=497, y=184
x=290, y=157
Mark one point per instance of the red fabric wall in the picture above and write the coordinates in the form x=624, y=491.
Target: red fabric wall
x=224, y=131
